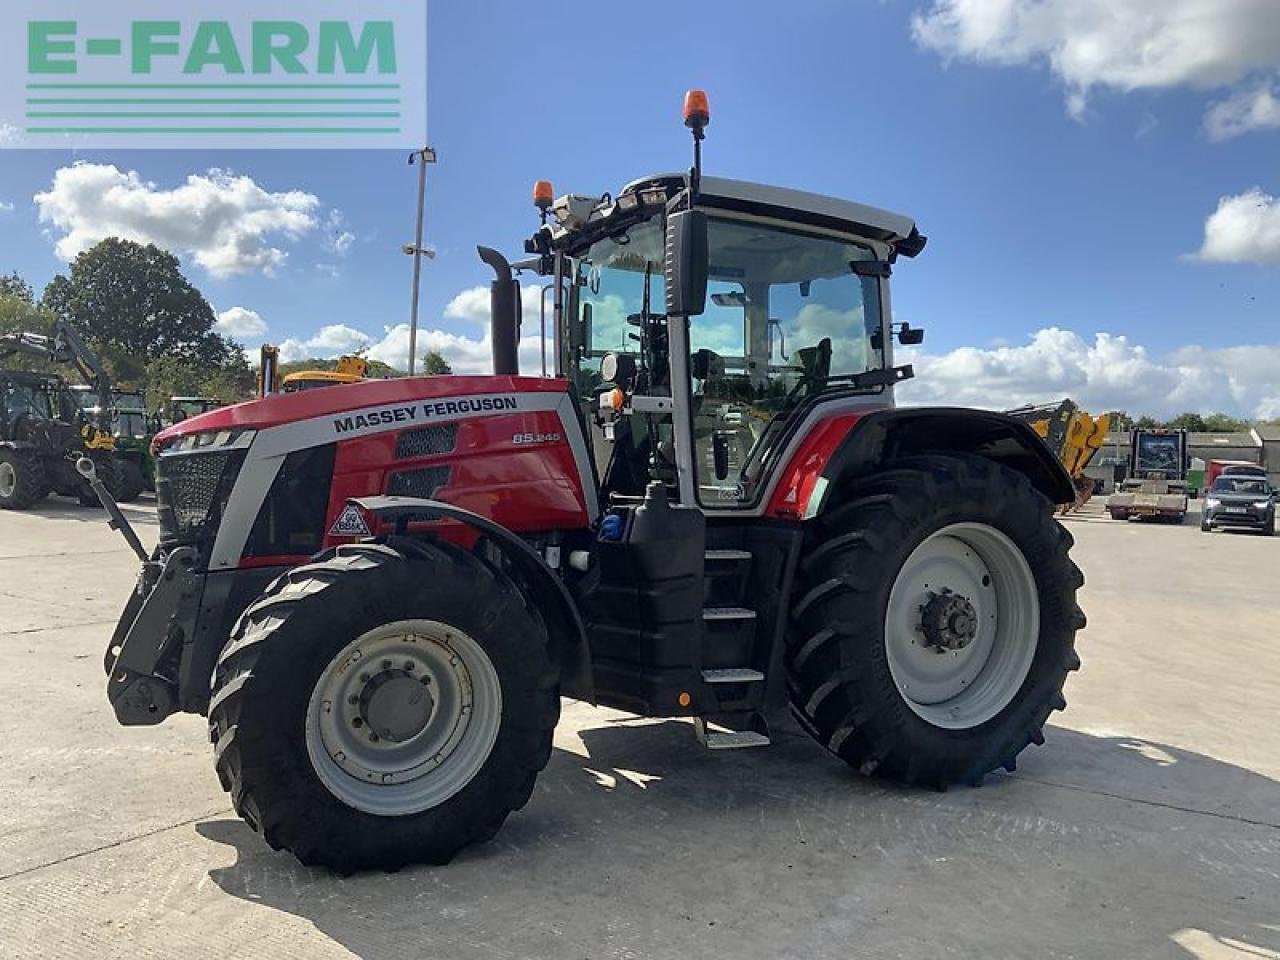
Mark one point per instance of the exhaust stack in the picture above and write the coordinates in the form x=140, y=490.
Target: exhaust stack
x=504, y=311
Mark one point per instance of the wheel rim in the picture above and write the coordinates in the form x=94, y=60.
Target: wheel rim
x=962, y=625
x=403, y=717
x=8, y=480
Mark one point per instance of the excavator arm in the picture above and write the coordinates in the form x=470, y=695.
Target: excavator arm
x=66, y=347
x=1074, y=436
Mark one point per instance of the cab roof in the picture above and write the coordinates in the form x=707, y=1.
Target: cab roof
x=796, y=205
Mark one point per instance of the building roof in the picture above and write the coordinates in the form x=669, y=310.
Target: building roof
x=1221, y=440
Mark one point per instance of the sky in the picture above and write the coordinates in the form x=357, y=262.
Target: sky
x=1097, y=179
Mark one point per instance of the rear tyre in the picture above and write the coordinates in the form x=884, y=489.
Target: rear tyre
x=131, y=481
x=22, y=479
x=327, y=738
x=935, y=622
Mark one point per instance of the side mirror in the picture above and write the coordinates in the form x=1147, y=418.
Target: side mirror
x=587, y=313
x=706, y=363
x=720, y=454
x=910, y=336
x=685, y=263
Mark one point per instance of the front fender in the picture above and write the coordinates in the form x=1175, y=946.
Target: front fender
x=885, y=435
x=549, y=593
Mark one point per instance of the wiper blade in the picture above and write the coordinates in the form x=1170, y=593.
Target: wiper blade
x=885, y=377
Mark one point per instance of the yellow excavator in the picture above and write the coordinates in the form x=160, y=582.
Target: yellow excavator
x=348, y=369
x=1074, y=436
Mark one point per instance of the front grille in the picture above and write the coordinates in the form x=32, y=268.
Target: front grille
x=418, y=483
x=426, y=441
x=191, y=493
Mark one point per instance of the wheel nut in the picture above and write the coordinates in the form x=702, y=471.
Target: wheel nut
x=373, y=738
x=386, y=664
x=364, y=678
x=408, y=665
x=357, y=722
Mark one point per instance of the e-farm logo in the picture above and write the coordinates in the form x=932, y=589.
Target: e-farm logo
x=229, y=74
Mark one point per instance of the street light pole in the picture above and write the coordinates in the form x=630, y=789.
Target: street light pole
x=423, y=157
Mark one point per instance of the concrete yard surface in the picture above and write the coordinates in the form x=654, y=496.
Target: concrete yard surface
x=1147, y=826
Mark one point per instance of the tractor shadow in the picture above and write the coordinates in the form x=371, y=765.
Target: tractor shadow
x=140, y=513
x=639, y=842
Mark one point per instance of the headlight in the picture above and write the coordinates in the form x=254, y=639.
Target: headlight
x=1212, y=502
x=1261, y=504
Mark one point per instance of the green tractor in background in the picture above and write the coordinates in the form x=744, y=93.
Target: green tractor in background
x=133, y=430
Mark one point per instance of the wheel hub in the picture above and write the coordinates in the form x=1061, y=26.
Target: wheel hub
x=8, y=480
x=396, y=705
x=403, y=717
x=948, y=621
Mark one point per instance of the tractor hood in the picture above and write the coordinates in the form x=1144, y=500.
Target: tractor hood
x=344, y=399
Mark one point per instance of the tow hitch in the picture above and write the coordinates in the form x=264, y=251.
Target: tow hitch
x=137, y=693
x=116, y=520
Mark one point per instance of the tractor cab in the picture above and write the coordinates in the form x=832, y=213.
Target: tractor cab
x=702, y=321
x=793, y=314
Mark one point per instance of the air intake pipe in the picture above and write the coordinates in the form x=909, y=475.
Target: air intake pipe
x=504, y=310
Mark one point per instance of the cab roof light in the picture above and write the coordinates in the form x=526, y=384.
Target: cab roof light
x=544, y=196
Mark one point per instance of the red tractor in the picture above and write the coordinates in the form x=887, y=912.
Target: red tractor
x=378, y=595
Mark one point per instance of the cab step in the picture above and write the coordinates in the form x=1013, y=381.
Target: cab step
x=727, y=739
x=732, y=675
x=734, y=739
x=728, y=613
x=711, y=555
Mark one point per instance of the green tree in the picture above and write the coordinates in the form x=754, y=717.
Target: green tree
x=1188, y=421
x=433, y=362
x=12, y=285
x=1223, y=423
x=1145, y=422
x=134, y=298
x=1120, y=419
x=19, y=315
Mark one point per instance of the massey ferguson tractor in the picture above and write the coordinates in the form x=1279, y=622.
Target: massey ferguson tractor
x=379, y=594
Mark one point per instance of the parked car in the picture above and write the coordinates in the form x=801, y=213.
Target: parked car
x=1226, y=468
x=1240, y=500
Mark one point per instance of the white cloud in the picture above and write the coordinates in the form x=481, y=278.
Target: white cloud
x=329, y=341
x=1256, y=108
x=1244, y=229
x=338, y=239
x=6, y=207
x=226, y=223
x=1110, y=372
x=466, y=354
x=472, y=305
x=241, y=323
x=1122, y=45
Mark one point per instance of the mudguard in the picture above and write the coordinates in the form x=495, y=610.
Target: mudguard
x=886, y=435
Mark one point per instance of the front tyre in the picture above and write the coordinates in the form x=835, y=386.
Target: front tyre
x=131, y=482
x=935, y=621
x=22, y=479
x=379, y=706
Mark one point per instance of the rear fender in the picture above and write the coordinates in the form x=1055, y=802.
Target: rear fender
x=567, y=633
x=886, y=435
